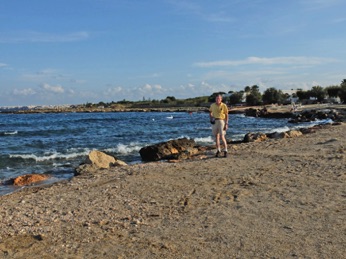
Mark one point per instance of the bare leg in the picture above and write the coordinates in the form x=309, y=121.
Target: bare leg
x=224, y=142
x=217, y=140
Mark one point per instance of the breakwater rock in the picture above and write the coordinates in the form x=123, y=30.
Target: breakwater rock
x=174, y=149
x=305, y=115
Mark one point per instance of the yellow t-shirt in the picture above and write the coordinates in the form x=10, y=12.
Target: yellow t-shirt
x=219, y=111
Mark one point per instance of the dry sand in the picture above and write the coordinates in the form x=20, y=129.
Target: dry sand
x=275, y=199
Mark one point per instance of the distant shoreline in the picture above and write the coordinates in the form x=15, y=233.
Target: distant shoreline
x=232, y=109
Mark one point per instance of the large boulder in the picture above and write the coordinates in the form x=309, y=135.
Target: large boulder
x=174, y=149
x=100, y=159
x=97, y=160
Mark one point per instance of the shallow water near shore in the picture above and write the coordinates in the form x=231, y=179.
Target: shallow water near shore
x=58, y=143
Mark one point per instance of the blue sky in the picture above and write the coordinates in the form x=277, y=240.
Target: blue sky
x=78, y=51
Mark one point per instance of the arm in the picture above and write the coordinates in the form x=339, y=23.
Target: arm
x=226, y=117
x=210, y=112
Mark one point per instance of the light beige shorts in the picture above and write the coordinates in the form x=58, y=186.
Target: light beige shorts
x=218, y=127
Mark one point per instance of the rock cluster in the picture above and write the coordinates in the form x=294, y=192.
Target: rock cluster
x=174, y=149
x=313, y=115
x=298, y=116
x=259, y=137
x=253, y=112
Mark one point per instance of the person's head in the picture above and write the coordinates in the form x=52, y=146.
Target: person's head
x=218, y=99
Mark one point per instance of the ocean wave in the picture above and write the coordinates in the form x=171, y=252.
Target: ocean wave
x=8, y=133
x=204, y=140
x=240, y=115
x=281, y=129
x=52, y=156
x=125, y=149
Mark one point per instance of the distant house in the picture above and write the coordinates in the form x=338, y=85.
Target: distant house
x=332, y=100
x=291, y=99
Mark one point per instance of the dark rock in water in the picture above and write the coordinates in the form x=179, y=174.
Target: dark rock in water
x=251, y=112
x=173, y=149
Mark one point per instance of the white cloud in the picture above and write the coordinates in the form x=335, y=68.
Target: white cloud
x=24, y=92
x=113, y=91
x=54, y=89
x=34, y=37
x=147, y=88
x=3, y=65
x=202, y=88
x=267, y=61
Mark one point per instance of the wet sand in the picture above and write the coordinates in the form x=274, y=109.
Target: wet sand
x=274, y=199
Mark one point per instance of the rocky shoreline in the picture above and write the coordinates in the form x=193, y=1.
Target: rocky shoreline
x=278, y=198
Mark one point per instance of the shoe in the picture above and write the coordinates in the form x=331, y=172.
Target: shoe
x=225, y=154
x=217, y=154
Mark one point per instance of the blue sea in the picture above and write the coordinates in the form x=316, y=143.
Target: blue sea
x=57, y=143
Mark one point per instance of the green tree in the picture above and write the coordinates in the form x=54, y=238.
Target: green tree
x=213, y=96
x=102, y=104
x=89, y=105
x=254, y=97
x=333, y=90
x=236, y=97
x=342, y=92
x=272, y=95
x=302, y=95
x=171, y=98
x=318, y=92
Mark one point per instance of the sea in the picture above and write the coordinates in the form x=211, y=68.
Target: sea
x=56, y=143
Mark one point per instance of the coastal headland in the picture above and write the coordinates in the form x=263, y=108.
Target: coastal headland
x=280, y=198
x=272, y=109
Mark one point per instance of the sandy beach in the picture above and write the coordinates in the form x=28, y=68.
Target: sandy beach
x=274, y=199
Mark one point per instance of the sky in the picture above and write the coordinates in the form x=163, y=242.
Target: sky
x=88, y=51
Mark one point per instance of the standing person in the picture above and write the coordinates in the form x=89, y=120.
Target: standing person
x=219, y=118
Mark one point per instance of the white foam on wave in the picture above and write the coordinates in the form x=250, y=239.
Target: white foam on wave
x=204, y=140
x=282, y=129
x=51, y=156
x=313, y=123
x=326, y=121
x=11, y=132
x=125, y=149
x=241, y=115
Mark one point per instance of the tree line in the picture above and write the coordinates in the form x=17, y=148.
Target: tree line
x=252, y=96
